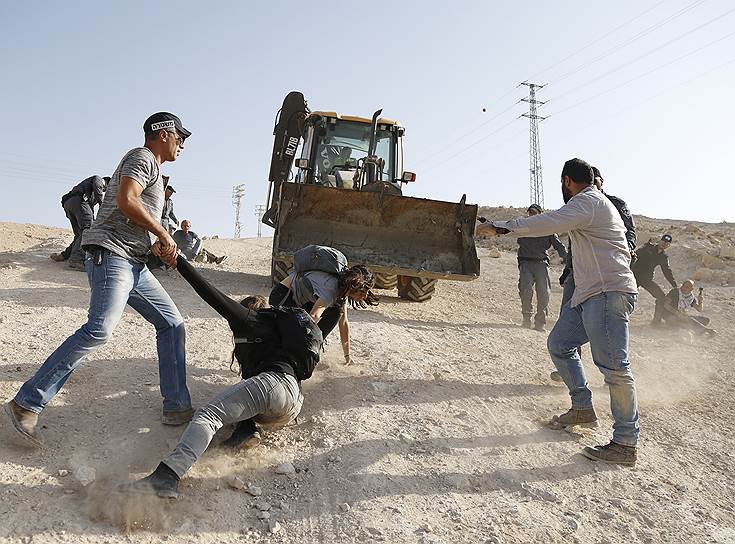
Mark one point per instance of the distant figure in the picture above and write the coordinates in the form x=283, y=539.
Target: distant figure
x=79, y=206
x=675, y=307
x=649, y=257
x=191, y=245
x=168, y=219
x=533, y=266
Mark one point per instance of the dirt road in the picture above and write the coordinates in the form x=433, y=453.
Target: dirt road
x=437, y=434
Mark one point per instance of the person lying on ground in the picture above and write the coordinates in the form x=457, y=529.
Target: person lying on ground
x=275, y=348
x=191, y=246
x=674, y=309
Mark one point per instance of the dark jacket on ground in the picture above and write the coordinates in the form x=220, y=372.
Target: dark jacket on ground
x=649, y=258
x=91, y=190
x=254, y=357
x=536, y=249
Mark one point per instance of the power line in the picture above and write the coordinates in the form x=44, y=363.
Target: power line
x=648, y=53
x=597, y=40
x=615, y=48
x=537, y=184
x=644, y=74
x=259, y=211
x=237, y=193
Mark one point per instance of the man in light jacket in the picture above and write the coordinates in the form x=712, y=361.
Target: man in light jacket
x=598, y=312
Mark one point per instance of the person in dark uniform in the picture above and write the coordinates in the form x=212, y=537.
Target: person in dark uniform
x=168, y=219
x=79, y=206
x=533, y=266
x=649, y=257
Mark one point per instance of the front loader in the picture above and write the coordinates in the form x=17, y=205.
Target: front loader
x=347, y=193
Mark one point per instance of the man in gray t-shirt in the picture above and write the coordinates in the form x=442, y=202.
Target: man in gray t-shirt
x=116, y=247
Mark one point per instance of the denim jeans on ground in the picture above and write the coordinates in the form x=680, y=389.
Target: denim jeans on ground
x=114, y=283
x=601, y=320
x=271, y=398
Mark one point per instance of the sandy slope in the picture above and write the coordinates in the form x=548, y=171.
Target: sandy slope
x=437, y=435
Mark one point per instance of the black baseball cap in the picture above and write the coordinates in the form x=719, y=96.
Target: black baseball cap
x=164, y=120
x=667, y=238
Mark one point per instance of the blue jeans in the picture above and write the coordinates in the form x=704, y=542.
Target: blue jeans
x=601, y=320
x=114, y=283
x=273, y=399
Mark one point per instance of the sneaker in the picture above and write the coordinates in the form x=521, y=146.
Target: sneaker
x=612, y=453
x=57, y=257
x=555, y=376
x=25, y=423
x=244, y=437
x=177, y=417
x=220, y=260
x=162, y=482
x=583, y=418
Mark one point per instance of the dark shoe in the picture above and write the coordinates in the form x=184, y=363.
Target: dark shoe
x=244, y=437
x=177, y=417
x=583, y=418
x=526, y=323
x=612, y=453
x=57, y=257
x=163, y=482
x=25, y=423
x=220, y=260
x=540, y=327
x=555, y=376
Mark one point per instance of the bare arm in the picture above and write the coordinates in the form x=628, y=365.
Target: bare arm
x=318, y=309
x=129, y=203
x=344, y=334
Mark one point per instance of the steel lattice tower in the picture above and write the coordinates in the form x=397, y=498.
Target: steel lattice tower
x=237, y=193
x=259, y=211
x=537, y=184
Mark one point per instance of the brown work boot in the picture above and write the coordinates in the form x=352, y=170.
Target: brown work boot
x=177, y=417
x=612, y=453
x=25, y=423
x=583, y=418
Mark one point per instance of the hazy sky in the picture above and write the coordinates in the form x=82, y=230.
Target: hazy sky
x=642, y=89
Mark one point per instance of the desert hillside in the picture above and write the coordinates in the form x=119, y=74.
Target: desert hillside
x=438, y=433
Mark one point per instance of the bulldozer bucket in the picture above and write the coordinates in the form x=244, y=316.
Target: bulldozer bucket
x=391, y=234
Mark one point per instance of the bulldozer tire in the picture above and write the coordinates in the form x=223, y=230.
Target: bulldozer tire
x=416, y=289
x=279, y=270
x=385, y=281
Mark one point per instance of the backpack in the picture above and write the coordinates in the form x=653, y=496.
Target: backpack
x=322, y=258
x=300, y=337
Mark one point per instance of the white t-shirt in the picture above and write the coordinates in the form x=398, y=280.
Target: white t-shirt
x=312, y=285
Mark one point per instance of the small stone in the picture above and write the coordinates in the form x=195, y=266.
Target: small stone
x=235, y=482
x=85, y=475
x=285, y=468
x=274, y=527
x=283, y=506
x=254, y=490
x=262, y=506
x=574, y=524
x=426, y=528
x=263, y=515
x=63, y=472
x=606, y=515
x=68, y=491
x=493, y=540
x=344, y=507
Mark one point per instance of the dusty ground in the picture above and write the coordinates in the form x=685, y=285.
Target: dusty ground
x=437, y=435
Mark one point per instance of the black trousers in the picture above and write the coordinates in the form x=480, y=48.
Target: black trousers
x=282, y=296
x=80, y=216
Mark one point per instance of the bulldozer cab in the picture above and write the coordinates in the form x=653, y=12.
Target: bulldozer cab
x=335, y=148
